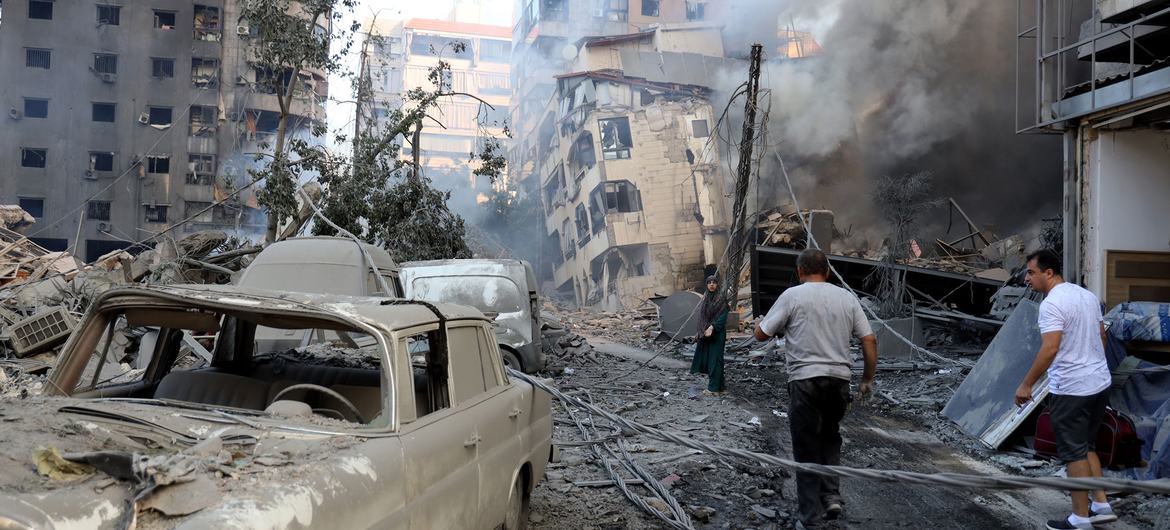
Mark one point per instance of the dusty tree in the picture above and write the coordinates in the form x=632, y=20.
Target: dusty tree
x=900, y=200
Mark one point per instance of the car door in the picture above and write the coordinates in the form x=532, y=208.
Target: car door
x=476, y=369
x=439, y=447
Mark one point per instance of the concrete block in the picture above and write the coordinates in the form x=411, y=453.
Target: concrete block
x=890, y=346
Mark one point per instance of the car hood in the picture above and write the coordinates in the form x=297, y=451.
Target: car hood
x=77, y=463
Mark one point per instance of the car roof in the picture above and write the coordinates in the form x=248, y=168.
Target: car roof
x=391, y=313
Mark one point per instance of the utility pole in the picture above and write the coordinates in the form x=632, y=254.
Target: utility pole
x=739, y=231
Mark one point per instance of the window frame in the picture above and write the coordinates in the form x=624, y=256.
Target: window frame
x=48, y=58
x=111, y=66
x=115, y=20
x=28, y=114
x=41, y=4
x=657, y=8
x=150, y=109
x=20, y=201
x=153, y=166
x=158, y=22
x=156, y=209
x=157, y=62
x=94, y=111
x=44, y=156
x=94, y=210
x=93, y=160
x=619, y=152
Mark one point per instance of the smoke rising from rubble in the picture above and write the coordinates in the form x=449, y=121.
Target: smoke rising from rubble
x=900, y=86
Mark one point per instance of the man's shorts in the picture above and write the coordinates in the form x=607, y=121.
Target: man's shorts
x=1075, y=422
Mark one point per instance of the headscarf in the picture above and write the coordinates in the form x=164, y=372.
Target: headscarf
x=712, y=305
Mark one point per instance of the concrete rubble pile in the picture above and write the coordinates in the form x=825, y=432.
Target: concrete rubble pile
x=44, y=295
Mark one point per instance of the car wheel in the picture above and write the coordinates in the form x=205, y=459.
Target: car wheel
x=511, y=360
x=517, y=516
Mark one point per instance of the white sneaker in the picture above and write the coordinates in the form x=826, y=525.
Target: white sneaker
x=1103, y=516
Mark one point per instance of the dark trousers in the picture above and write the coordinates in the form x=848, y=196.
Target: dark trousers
x=816, y=407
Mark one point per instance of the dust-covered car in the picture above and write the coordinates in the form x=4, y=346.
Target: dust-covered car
x=421, y=429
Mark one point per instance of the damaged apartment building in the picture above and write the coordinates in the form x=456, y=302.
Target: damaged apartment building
x=631, y=176
x=122, y=120
x=1098, y=72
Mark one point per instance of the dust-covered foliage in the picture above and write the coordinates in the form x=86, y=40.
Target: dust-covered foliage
x=900, y=200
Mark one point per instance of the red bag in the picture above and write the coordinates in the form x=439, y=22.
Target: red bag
x=1117, y=441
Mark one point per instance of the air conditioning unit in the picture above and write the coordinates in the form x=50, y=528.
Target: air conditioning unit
x=89, y=175
x=144, y=118
x=243, y=30
x=108, y=78
x=15, y=113
x=103, y=227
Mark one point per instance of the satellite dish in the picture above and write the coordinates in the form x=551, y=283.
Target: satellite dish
x=569, y=52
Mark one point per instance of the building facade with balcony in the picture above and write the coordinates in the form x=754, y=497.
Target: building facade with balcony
x=401, y=59
x=1096, y=71
x=124, y=120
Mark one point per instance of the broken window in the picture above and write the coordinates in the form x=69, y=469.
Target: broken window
x=615, y=138
x=162, y=67
x=597, y=208
x=204, y=72
x=98, y=210
x=621, y=196
x=33, y=157
x=699, y=129
x=103, y=112
x=495, y=51
x=198, y=212
x=34, y=206
x=582, y=226
x=493, y=117
x=105, y=63
x=554, y=189
x=158, y=164
x=428, y=358
x=696, y=9
x=101, y=161
x=164, y=19
x=202, y=120
x=155, y=213
x=109, y=15
x=650, y=8
x=582, y=153
x=37, y=58
x=207, y=25
x=159, y=115
x=273, y=81
x=36, y=108
x=40, y=9
x=200, y=169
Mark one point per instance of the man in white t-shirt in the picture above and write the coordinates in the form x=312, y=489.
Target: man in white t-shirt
x=817, y=320
x=1072, y=351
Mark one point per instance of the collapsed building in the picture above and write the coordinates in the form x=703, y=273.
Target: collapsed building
x=630, y=170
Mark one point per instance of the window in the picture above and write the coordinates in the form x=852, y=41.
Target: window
x=429, y=361
x=159, y=115
x=617, y=10
x=202, y=120
x=105, y=63
x=442, y=46
x=597, y=208
x=162, y=68
x=615, y=138
x=40, y=9
x=35, y=207
x=164, y=19
x=109, y=15
x=491, y=375
x=36, y=108
x=98, y=210
x=621, y=196
x=204, y=72
x=649, y=8
x=198, y=212
x=103, y=112
x=466, y=368
x=200, y=169
x=493, y=117
x=207, y=25
x=30, y=157
x=699, y=128
x=37, y=58
x=495, y=51
x=582, y=225
x=495, y=84
x=696, y=9
x=158, y=164
x=101, y=161
x=155, y=214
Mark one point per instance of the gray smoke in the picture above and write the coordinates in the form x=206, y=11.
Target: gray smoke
x=900, y=86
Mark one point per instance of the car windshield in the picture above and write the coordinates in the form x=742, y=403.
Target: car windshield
x=495, y=294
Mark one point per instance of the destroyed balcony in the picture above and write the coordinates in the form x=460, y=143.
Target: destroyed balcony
x=1078, y=57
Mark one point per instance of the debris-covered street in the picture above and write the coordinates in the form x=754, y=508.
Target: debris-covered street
x=585, y=264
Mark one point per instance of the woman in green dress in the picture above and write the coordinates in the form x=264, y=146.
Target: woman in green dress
x=711, y=337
